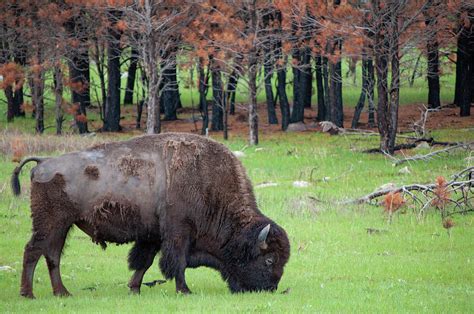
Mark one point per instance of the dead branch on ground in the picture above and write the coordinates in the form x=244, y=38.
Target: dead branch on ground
x=457, y=194
x=431, y=155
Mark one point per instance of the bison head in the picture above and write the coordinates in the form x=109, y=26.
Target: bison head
x=257, y=258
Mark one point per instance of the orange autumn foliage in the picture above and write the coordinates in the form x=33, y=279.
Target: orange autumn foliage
x=441, y=192
x=393, y=201
x=18, y=148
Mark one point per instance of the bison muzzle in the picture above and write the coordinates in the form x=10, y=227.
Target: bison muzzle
x=183, y=195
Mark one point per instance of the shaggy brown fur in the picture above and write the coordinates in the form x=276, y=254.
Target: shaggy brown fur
x=92, y=172
x=135, y=167
x=52, y=213
x=181, y=194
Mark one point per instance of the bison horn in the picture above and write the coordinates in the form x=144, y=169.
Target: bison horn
x=262, y=237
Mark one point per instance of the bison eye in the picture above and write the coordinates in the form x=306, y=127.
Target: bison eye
x=269, y=261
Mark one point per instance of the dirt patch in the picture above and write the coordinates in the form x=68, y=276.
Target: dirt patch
x=448, y=117
x=92, y=172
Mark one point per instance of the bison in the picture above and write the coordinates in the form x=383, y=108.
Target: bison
x=183, y=195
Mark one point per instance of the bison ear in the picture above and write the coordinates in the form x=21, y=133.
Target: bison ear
x=262, y=237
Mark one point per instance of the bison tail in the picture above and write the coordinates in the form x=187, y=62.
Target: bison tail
x=15, y=181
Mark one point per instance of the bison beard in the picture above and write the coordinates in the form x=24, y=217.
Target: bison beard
x=182, y=195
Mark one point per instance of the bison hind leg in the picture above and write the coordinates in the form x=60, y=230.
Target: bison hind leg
x=140, y=258
x=53, y=258
x=50, y=244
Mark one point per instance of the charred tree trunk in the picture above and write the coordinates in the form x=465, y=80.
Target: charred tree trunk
x=10, y=103
x=320, y=89
x=78, y=75
x=18, y=95
x=284, y=104
x=361, y=102
x=370, y=92
x=253, y=117
x=169, y=92
x=202, y=97
x=432, y=47
x=465, y=67
x=217, y=123
x=231, y=90
x=297, y=113
x=335, y=90
x=132, y=73
x=112, y=104
x=253, y=67
x=306, y=79
x=386, y=49
x=268, y=67
x=58, y=93
x=367, y=91
x=38, y=100
x=281, y=74
x=327, y=102
x=433, y=75
x=142, y=102
x=99, y=57
x=139, y=114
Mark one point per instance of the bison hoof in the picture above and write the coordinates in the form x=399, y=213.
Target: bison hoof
x=28, y=295
x=134, y=290
x=62, y=294
x=183, y=291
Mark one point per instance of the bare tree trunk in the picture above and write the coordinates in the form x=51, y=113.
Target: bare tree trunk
x=361, y=102
x=79, y=72
x=132, y=73
x=327, y=101
x=217, y=123
x=370, y=91
x=112, y=104
x=268, y=67
x=281, y=76
x=231, y=90
x=335, y=91
x=18, y=99
x=153, y=103
x=38, y=100
x=10, y=103
x=320, y=89
x=306, y=78
x=253, y=117
x=169, y=99
x=386, y=48
x=58, y=93
x=297, y=112
x=202, y=97
x=465, y=67
x=432, y=46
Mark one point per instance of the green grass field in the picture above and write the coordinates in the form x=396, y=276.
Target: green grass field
x=335, y=265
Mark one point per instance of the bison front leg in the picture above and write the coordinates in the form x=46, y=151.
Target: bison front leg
x=175, y=250
x=140, y=258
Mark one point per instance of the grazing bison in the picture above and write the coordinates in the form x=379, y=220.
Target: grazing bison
x=181, y=194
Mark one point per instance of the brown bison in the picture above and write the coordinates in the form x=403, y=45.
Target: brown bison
x=181, y=194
